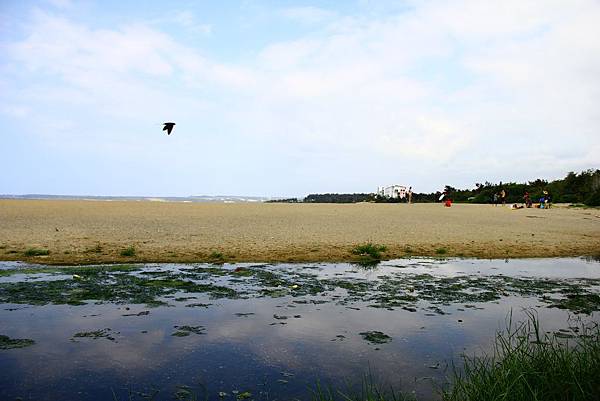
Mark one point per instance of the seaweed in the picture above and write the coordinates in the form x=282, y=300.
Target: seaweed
x=376, y=337
x=94, y=335
x=184, y=331
x=10, y=343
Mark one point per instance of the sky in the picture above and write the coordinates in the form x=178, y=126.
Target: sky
x=286, y=98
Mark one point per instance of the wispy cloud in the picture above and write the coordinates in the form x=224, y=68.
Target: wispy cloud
x=480, y=89
x=308, y=14
x=189, y=22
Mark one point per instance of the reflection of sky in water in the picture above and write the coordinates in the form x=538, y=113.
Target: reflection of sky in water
x=255, y=352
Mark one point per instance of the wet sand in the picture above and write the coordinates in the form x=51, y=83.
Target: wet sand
x=98, y=231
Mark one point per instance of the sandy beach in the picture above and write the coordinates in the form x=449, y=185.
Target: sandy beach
x=98, y=231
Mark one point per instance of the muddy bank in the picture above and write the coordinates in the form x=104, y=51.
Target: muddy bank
x=74, y=232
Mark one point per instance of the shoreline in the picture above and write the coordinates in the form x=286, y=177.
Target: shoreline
x=97, y=232
x=52, y=263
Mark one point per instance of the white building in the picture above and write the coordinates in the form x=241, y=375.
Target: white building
x=393, y=191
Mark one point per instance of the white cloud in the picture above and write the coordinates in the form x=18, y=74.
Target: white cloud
x=478, y=87
x=307, y=14
x=60, y=3
x=188, y=21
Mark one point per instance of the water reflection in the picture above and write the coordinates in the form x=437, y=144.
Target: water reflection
x=273, y=347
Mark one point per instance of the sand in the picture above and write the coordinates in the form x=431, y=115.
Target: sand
x=98, y=231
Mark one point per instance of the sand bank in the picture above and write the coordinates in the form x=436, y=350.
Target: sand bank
x=98, y=231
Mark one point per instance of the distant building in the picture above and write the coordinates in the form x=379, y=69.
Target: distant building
x=393, y=191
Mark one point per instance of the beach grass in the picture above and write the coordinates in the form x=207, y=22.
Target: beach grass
x=526, y=364
x=37, y=252
x=369, y=390
x=129, y=251
x=369, y=254
x=216, y=255
x=529, y=364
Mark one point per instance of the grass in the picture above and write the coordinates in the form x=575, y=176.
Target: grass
x=129, y=251
x=370, y=254
x=369, y=391
x=527, y=364
x=37, y=252
x=215, y=255
x=441, y=251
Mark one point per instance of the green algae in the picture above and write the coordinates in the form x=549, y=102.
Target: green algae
x=376, y=337
x=70, y=270
x=582, y=302
x=399, y=289
x=184, y=331
x=102, y=283
x=10, y=343
x=95, y=334
x=244, y=395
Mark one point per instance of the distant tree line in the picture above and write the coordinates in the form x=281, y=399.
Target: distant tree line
x=574, y=188
x=287, y=200
x=582, y=188
x=339, y=198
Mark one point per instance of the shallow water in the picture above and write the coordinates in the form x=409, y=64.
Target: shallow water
x=282, y=328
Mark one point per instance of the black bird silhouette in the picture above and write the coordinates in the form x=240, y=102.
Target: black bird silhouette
x=168, y=127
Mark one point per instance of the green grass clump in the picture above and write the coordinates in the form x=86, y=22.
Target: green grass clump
x=525, y=365
x=370, y=254
x=216, y=255
x=441, y=251
x=369, y=249
x=529, y=365
x=129, y=251
x=36, y=252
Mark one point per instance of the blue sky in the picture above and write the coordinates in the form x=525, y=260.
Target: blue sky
x=286, y=98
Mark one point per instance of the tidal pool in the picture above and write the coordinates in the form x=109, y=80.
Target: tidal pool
x=269, y=332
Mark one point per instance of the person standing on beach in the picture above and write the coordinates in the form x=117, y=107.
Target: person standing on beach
x=495, y=199
x=503, y=197
x=409, y=195
x=527, y=199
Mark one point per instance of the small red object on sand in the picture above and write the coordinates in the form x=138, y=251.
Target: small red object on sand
x=448, y=203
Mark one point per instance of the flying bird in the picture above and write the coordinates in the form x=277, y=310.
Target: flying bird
x=168, y=127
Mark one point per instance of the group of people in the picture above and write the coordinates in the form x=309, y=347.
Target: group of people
x=500, y=197
x=544, y=201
